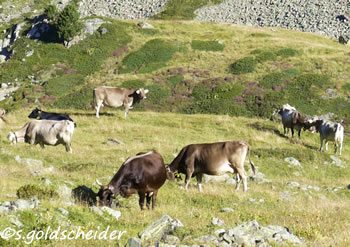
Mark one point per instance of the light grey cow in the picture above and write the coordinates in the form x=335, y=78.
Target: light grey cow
x=45, y=132
x=116, y=97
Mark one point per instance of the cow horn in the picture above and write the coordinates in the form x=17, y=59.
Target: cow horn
x=98, y=182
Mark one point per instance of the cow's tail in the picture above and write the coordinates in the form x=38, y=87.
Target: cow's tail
x=251, y=163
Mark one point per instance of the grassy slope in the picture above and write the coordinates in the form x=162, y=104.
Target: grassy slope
x=317, y=219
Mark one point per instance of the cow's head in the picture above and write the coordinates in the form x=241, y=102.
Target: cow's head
x=104, y=195
x=142, y=93
x=35, y=113
x=170, y=175
x=313, y=125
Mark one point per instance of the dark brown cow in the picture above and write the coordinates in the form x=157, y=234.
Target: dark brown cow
x=291, y=119
x=144, y=174
x=212, y=159
x=116, y=97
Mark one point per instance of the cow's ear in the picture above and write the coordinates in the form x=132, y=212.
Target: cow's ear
x=138, y=91
x=146, y=91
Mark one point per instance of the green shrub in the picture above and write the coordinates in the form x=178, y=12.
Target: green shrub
x=174, y=80
x=272, y=79
x=30, y=190
x=243, y=66
x=346, y=87
x=59, y=86
x=80, y=99
x=207, y=45
x=51, y=12
x=287, y=52
x=266, y=56
x=68, y=24
x=133, y=84
x=157, y=94
x=152, y=56
x=200, y=91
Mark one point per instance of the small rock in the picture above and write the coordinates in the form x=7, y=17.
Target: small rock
x=294, y=162
x=96, y=210
x=134, y=242
x=15, y=221
x=63, y=211
x=4, y=85
x=116, y=214
x=293, y=184
x=217, y=222
x=336, y=161
x=171, y=239
x=114, y=141
x=227, y=210
x=144, y=25
x=25, y=204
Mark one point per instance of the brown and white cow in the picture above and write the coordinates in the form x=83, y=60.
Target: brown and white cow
x=45, y=132
x=212, y=159
x=329, y=131
x=116, y=97
x=291, y=119
x=144, y=174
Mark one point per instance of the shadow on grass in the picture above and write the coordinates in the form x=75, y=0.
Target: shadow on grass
x=91, y=114
x=260, y=127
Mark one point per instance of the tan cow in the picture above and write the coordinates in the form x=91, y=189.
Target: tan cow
x=212, y=159
x=45, y=132
x=116, y=97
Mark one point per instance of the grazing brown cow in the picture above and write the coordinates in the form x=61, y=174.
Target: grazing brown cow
x=116, y=97
x=212, y=159
x=144, y=174
x=291, y=119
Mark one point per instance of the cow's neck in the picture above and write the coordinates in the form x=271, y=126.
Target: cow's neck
x=135, y=98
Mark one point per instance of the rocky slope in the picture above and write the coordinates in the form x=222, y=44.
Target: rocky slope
x=329, y=18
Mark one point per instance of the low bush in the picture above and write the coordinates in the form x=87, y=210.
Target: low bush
x=30, y=190
x=80, y=99
x=174, y=80
x=157, y=94
x=152, y=56
x=133, y=84
x=207, y=45
x=243, y=66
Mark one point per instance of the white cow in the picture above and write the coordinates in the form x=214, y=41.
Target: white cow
x=329, y=131
x=45, y=132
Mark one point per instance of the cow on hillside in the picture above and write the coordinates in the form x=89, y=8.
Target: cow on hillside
x=39, y=114
x=116, y=97
x=212, y=159
x=291, y=119
x=329, y=131
x=144, y=174
x=45, y=132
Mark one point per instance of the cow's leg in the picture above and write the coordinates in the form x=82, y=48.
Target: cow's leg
x=154, y=199
x=340, y=146
x=199, y=181
x=126, y=110
x=326, y=142
x=335, y=147
x=98, y=106
x=68, y=148
x=284, y=130
x=292, y=132
x=148, y=199
x=42, y=145
x=321, y=147
x=142, y=199
x=243, y=176
x=299, y=133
